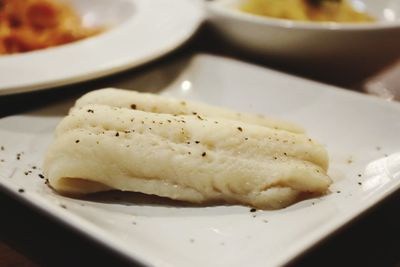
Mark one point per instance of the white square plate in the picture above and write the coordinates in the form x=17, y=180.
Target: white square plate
x=359, y=131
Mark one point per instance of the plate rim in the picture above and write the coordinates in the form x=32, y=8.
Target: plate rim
x=80, y=226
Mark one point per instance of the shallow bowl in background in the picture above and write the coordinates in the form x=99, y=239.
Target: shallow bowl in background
x=310, y=41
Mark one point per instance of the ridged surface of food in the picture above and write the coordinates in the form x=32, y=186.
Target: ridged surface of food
x=162, y=104
x=183, y=157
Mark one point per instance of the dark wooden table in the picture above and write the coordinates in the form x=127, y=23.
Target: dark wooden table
x=28, y=238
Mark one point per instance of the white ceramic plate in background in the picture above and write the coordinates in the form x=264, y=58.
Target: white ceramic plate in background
x=307, y=41
x=141, y=30
x=364, y=164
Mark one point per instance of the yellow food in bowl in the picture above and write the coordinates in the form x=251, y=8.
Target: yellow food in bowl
x=307, y=10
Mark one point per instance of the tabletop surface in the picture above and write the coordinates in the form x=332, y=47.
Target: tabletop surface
x=28, y=238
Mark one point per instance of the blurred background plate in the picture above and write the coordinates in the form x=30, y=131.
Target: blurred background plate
x=142, y=30
x=300, y=43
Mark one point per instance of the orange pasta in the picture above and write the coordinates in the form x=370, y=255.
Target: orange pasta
x=27, y=25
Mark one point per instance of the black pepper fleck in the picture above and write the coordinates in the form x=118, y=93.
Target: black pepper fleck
x=359, y=175
x=194, y=113
x=90, y=111
x=41, y=176
x=197, y=142
x=77, y=141
x=133, y=106
x=63, y=206
x=117, y=134
x=359, y=183
x=338, y=192
x=2, y=148
x=204, y=154
x=240, y=129
x=253, y=210
x=21, y=190
x=246, y=139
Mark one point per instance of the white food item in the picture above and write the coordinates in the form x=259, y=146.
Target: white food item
x=184, y=157
x=162, y=104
